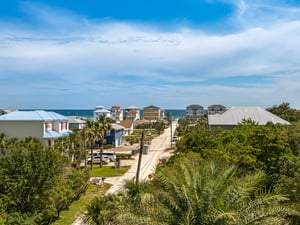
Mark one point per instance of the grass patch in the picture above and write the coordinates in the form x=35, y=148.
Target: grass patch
x=108, y=171
x=68, y=216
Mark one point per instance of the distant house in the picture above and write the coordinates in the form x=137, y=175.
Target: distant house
x=216, y=109
x=115, y=135
x=76, y=123
x=194, y=111
x=46, y=126
x=235, y=115
x=153, y=113
x=128, y=126
x=116, y=113
x=132, y=113
x=100, y=110
x=139, y=122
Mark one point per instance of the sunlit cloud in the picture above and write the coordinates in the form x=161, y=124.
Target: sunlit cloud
x=66, y=54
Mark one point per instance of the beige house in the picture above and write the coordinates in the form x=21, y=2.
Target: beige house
x=153, y=113
x=128, y=125
x=132, y=113
x=46, y=126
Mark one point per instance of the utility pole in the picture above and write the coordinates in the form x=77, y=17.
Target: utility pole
x=140, y=158
x=169, y=115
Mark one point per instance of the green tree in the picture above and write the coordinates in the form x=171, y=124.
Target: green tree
x=92, y=134
x=36, y=183
x=285, y=112
x=103, y=125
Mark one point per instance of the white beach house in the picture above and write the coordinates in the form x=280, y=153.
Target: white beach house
x=100, y=110
x=46, y=126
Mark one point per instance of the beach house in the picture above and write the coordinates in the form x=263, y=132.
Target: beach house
x=128, y=127
x=235, y=115
x=132, y=113
x=114, y=136
x=216, y=109
x=116, y=113
x=46, y=126
x=194, y=111
x=100, y=110
x=153, y=113
x=76, y=123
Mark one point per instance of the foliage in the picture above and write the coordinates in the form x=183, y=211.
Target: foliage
x=194, y=191
x=158, y=126
x=284, y=111
x=36, y=183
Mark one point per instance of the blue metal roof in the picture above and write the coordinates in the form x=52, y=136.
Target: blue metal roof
x=37, y=115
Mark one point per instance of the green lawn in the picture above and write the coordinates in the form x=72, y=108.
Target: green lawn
x=107, y=171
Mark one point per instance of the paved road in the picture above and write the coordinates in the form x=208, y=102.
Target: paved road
x=157, y=150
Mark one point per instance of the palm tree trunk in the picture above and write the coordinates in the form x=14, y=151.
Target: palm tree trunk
x=101, y=153
x=92, y=155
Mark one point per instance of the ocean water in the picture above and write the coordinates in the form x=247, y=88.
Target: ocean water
x=88, y=113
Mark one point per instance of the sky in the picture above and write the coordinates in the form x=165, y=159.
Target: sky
x=77, y=54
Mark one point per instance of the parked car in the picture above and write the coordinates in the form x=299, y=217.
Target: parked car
x=96, y=160
x=110, y=155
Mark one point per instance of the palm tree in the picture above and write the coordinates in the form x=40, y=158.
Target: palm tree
x=91, y=135
x=104, y=124
x=76, y=146
x=211, y=193
x=102, y=210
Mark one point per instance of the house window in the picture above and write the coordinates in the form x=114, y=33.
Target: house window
x=49, y=143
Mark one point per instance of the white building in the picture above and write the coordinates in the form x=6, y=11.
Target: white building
x=100, y=110
x=46, y=126
x=76, y=123
x=116, y=113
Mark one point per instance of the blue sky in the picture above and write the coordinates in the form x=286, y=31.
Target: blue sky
x=81, y=53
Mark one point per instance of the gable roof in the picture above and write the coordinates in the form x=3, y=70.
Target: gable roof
x=235, y=115
x=126, y=123
x=37, y=115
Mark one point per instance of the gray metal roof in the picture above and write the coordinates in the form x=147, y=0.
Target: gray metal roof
x=76, y=120
x=37, y=115
x=235, y=115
